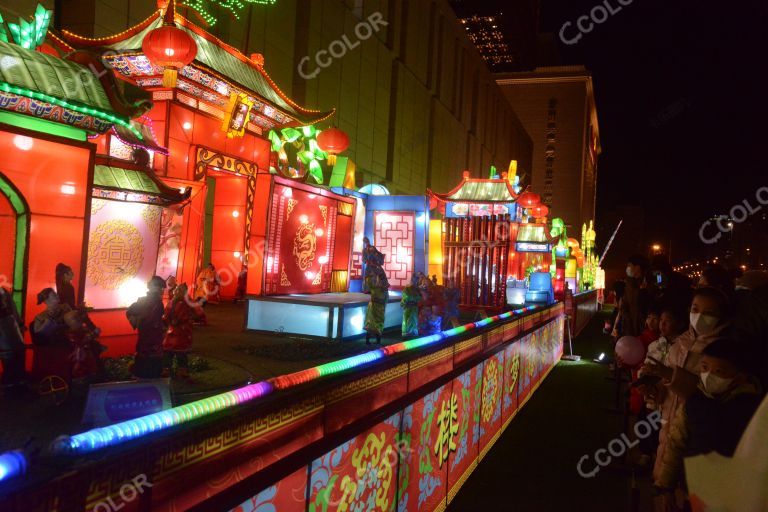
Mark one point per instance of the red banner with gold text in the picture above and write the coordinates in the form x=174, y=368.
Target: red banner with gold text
x=300, y=244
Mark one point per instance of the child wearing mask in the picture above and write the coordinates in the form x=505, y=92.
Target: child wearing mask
x=671, y=325
x=715, y=416
x=709, y=317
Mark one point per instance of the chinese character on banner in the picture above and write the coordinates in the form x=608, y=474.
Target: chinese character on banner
x=448, y=422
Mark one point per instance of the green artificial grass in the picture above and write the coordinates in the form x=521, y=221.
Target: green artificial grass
x=532, y=467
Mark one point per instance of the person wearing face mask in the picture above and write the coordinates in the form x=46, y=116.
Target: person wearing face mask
x=633, y=308
x=715, y=416
x=708, y=317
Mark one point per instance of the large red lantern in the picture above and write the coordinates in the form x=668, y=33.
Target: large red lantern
x=333, y=141
x=540, y=211
x=169, y=47
x=529, y=200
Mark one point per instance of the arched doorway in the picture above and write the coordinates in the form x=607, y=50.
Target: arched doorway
x=14, y=233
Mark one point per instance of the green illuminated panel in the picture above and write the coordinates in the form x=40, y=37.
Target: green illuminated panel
x=21, y=242
x=42, y=125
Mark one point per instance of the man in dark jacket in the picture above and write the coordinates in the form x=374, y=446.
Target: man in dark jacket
x=636, y=300
x=146, y=315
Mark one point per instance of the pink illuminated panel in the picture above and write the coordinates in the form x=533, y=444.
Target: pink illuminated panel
x=122, y=252
x=393, y=235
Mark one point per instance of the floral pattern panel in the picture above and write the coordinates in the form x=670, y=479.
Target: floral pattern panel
x=170, y=239
x=288, y=495
x=527, y=369
x=490, y=407
x=361, y=474
x=511, y=381
x=424, y=466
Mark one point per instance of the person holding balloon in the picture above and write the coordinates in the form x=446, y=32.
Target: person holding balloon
x=637, y=355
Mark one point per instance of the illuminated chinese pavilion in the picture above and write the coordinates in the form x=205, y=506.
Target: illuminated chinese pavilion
x=54, y=186
x=479, y=233
x=247, y=157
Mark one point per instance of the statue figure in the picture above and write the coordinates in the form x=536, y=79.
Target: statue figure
x=410, y=304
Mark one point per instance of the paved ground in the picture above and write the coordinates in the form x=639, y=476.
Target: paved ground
x=234, y=357
x=532, y=467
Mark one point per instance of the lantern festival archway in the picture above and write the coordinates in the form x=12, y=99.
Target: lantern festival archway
x=14, y=230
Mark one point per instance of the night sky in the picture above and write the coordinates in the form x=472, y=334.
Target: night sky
x=681, y=91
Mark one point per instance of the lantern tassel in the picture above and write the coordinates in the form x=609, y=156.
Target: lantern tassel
x=169, y=77
x=331, y=159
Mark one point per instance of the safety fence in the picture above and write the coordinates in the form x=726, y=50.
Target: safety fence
x=402, y=430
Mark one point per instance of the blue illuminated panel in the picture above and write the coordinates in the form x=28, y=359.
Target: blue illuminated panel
x=283, y=316
x=354, y=319
x=533, y=247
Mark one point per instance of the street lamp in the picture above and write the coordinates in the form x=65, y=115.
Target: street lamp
x=656, y=248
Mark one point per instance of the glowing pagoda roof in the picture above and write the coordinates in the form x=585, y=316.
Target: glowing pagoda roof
x=479, y=190
x=213, y=55
x=50, y=75
x=143, y=185
x=55, y=81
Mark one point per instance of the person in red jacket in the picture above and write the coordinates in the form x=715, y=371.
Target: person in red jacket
x=179, y=316
x=649, y=334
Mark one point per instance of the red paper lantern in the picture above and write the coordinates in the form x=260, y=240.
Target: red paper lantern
x=529, y=200
x=169, y=47
x=333, y=141
x=540, y=211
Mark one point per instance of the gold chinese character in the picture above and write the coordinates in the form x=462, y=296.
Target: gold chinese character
x=448, y=422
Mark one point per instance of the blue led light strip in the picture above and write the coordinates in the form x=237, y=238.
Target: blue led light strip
x=12, y=464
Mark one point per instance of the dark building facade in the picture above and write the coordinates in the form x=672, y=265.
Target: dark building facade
x=412, y=92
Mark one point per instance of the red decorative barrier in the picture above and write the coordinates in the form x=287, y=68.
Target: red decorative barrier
x=583, y=307
x=401, y=434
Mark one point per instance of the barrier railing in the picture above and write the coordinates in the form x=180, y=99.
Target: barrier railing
x=199, y=452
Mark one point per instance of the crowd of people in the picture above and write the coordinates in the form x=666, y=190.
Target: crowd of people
x=66, y=342
x=706, y=364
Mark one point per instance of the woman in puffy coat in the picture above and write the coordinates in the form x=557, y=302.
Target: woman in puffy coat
x=178, y=340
